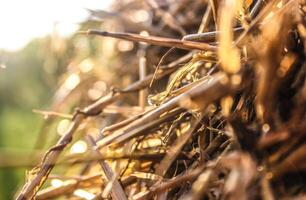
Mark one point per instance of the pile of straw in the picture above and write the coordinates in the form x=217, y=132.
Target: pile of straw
x=220, y=113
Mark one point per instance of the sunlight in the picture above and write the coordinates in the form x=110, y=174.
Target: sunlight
x=21, y=21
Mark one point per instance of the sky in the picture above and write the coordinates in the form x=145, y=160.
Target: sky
x=23, y=20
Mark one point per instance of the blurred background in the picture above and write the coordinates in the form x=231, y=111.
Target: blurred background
x=41, y=56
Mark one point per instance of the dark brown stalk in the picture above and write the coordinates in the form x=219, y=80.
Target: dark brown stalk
x=159, y=41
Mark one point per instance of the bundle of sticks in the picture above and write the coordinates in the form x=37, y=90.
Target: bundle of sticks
x=225, y=115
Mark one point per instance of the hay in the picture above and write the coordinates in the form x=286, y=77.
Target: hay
x=229, y=124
